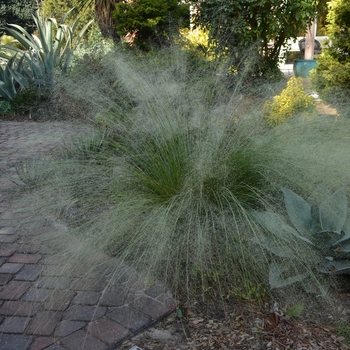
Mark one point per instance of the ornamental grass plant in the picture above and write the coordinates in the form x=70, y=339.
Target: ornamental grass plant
x=169, y=180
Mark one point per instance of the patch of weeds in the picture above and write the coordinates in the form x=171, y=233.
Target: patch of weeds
x=255, y=293
x=343, y=330
x=296, y=310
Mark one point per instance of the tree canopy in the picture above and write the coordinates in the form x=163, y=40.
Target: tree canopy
x=150, y=22
x=58, y=8
x=17, y=12
x=235, y=25
x=339, y=29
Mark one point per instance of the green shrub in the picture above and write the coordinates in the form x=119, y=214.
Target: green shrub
x=338, y=29
x=18, y=11
x=93, y=48
x=291, y=101
x=332, y=74
x=57, y=9
x=331, y=80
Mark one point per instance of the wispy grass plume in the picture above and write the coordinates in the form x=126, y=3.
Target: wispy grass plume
x=170, y=184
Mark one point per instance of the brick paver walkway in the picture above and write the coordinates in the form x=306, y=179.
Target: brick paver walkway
x=43, y=306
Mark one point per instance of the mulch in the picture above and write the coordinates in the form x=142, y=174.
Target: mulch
x=243, y=327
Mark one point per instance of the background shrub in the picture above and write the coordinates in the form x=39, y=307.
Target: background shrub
x=332, y=75
x=291, y=101
x=150, y=23
x=18, y=11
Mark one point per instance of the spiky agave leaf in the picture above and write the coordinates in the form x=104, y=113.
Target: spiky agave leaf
x=333, y=212
x=299, y=211
x=335, y=267
x=53, y=45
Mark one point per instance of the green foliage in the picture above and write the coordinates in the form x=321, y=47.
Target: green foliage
x=91, y=147
x=236, y=25
x=18, y=11
x=51, y=48
x=343, y=330
x=93, y=48
x=161, y=166
x=11, y=41
x=54, y=44
x=58, y=8
x=28, y=100
x=322, y=10
x=255, y=293
x=291, y=101
x=333, y=71
x=321, y=223
x=147, y=23
x=12, y=79
x=197, y=41
x=339, y=30
x=330, y=74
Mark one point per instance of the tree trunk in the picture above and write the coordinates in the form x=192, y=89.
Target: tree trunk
x=105, y=20
x=310, y=42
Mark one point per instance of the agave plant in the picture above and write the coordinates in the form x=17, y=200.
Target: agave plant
x=12, y=79
x=52, y=47
x=321, y=223
x=21, y=73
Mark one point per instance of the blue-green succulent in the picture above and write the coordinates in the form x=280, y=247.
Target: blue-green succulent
x=318, y=226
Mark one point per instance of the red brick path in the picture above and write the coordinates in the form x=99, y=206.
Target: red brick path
x=40, y=307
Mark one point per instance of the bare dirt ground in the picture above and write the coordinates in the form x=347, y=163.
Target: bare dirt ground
x=244, y=325
x=324, y=109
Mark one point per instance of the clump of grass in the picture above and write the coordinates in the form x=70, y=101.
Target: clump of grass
x=183, y=177
x=31, y=172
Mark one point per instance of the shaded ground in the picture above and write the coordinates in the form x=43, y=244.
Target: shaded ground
x=244, y=326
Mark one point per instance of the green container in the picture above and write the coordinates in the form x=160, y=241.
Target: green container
x=302, y=68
